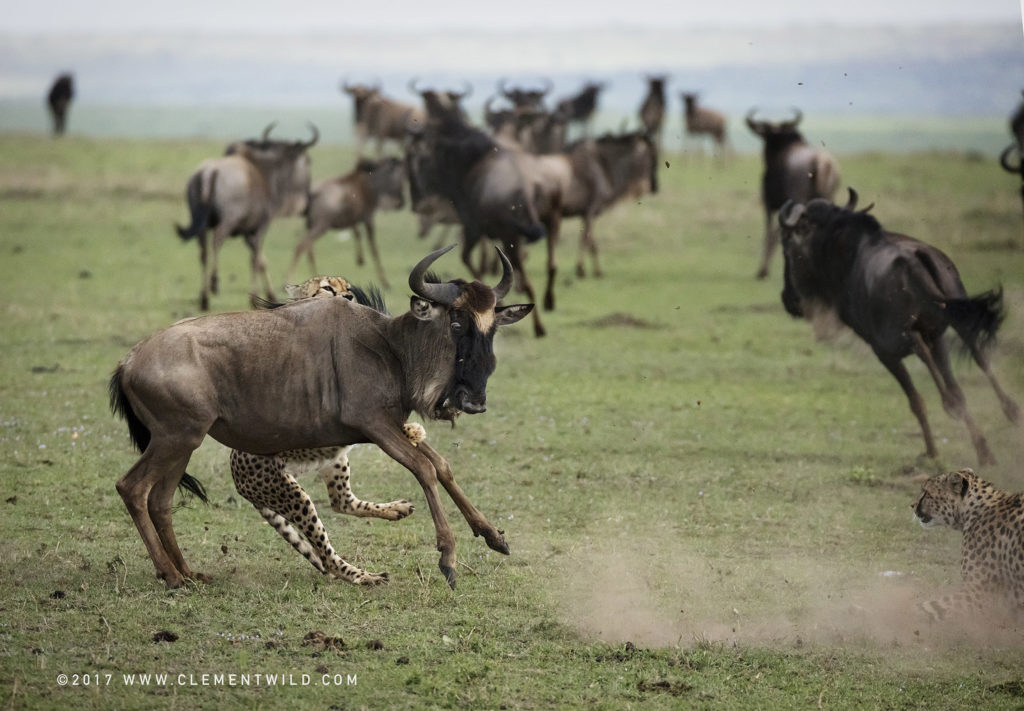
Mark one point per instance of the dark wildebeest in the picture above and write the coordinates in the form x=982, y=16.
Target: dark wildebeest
x=793, y=170
x=580, y=108
x=349, y=201
x=700, y=121
x=378, y=117
x=484, y=181
x=315, y=373
x=450, y=99
x=525, y=99
x=652, y=110
x=1017, y=131
x=897, y=293
x=59, y=101
x=239, y=194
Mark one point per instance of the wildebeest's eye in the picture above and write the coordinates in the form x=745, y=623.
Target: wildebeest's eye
x=456, y=327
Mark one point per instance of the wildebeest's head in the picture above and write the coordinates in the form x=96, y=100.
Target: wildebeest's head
x=286, y=163
x=776, y=132
x=469, y=314
x=361, y=95
x=525, y=99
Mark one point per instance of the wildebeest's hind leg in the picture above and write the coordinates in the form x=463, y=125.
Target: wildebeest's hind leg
x=936, y=356
x=155, y=466
x=899, y=371
x=305, y=245
x=515, y=256
x=478, y=523
x=372, y=239
x=265, y=483
x=336, y=475
x=161, y=499
x=1010, y=407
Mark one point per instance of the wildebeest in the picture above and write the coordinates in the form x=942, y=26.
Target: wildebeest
x=483, y=181
x=348, y=201
x=1017, y=146
x=525, y=99
x=580, y=107
x=449, y=98
x=239, y=194
x=58, y=100
x=652, y=110
x=311, y=374
x=534, y=130
x=793, y=170
x=379, y=117
x=897, y=293
x=701, y=121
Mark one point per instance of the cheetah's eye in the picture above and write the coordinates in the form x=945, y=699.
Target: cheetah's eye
x=329, y=289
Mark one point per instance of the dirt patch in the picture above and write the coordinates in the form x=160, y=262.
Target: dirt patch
x=620, y=320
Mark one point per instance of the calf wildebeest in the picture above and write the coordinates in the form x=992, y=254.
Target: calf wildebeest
x=311, y=374
x=1017, y=131
x=700, y=121
x=897, y=293
x=580, y=108
x=58, y=100
x=348, y=201
x=239, y=194
x=483, y=181
x=652, y=110
x=379, y=117
x=793, y=170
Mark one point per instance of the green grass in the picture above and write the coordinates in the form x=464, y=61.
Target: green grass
x=706, y=507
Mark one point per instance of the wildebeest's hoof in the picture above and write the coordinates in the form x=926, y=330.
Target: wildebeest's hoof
x=201, y=578
x=496, y=541
x=762, y=273
x=449, y=574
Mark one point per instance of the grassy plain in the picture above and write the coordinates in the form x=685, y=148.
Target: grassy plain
x=706, y=507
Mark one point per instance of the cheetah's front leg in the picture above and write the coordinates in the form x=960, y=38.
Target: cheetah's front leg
x=337, y=476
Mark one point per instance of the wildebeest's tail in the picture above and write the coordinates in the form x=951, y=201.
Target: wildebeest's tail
x=977, y=318
x=200, y=199
x=139, y=433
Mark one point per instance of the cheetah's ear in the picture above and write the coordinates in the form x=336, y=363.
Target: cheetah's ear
x=962, y=481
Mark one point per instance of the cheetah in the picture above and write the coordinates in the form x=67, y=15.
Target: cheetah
x=269, y=482
x=992, y=561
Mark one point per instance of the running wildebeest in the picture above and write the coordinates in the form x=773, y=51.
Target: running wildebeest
x=484, y=182
x=378, y=117
x=580, y=107
x=239, y=194
x=348, y=201
x=793, y=170
x=897, y=293
x=701, y=121
x=58, y=100
x=314, y=373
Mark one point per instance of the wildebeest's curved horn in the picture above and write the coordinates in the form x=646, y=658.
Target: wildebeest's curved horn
x=851, y=202
x=467, y=90
x=502, y=89
x=503, y=286
x=412, y=86
x=346, y=87
x=754, y=126
x=1005, y=162
x=798, y=116
x=267, y=130
x=316, y=135
x=790, y=212
x=548, y=86
x=439, y=293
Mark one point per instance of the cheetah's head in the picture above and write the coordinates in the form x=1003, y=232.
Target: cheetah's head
x=321, y=286
x=943, y=499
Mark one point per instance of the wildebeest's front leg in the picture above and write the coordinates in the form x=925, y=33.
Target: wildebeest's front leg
x=899, y=371
x=305, y=245
x=397, y=446
x=478, y=523
x=371, y=238
x=771, y=240
x=515, y=256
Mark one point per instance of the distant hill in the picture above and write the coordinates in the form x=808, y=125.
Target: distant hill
x=945, y=70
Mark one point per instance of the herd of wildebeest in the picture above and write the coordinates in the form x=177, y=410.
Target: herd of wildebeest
x=342, y=371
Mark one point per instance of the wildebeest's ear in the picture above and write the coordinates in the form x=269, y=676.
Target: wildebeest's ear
x=423, y=309
x=504, y=315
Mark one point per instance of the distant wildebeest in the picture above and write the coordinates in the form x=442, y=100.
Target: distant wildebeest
x=701, y=121
x=897, y=293
x=315, y=373
x=484, y=182
x=449, y=98
x=239, y=194
x=652, y=110
x=525, y=99
x=59, y=101
x=580, y=108
x=379, y=117
x=1017, y=146
x=793, y=170
x=349, y=201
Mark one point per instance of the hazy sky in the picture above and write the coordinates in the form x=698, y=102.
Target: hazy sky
x=269, y=16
